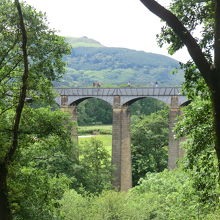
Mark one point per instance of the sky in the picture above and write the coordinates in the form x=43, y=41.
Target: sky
x=113, y=23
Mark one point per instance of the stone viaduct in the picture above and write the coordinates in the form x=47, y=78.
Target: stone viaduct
x=120, y=99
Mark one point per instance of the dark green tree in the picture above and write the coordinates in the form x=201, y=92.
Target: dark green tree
x=149, y=140
x=200, y=160
x=95, y=175
x=44, y=165
x=30, y=58
x=183, y=18
x=93, y=111
x=146, y=106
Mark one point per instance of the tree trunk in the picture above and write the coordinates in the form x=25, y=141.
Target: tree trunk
x=5, y=211
x=216, y=81
x=215, y=96
x=210, y=73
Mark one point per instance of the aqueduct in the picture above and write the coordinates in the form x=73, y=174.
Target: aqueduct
x=120, y=99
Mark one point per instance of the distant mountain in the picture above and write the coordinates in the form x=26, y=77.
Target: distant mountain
x=82, y=42
x=90, y=61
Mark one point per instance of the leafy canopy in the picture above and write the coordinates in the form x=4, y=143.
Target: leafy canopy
x=45, y=52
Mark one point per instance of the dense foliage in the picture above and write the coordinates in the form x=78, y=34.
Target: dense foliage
x=196, y=16
x=149, y=143
x=196, y=25
x=199, y=119
x=200, y=160
x=45, y=51
x=44, y=165
x=161, y=196
x=96, y=168
x=146, y=106
x=93, y=111
x=48, y=177
x=30, y=59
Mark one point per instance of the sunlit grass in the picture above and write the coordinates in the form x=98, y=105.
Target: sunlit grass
x=106, y=140
x=95, y=127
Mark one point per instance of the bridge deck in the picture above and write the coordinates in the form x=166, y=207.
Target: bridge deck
x=127, y=94
x=124, y=91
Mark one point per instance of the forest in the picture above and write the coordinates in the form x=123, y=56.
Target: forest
x=46, y=175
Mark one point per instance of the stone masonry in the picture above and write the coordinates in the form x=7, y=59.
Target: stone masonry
x=120, y=99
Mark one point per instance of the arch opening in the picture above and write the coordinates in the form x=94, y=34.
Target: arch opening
x=92, y=111
x=94, y=117
x=149, y=136
x=145, y=105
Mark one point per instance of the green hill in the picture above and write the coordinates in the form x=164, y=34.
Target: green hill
x=90, y=61
x=82, y=42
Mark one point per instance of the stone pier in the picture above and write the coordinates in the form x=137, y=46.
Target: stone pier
x=121, y=146
x=119, y=99
x=174, y=151
x=72, y=109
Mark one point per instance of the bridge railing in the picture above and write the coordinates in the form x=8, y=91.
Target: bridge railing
x=121, y=91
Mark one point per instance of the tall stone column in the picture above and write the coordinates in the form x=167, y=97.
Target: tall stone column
x=116, y=147
x=173, y=151
x=181, y=141
x=126, y=169
x=121, y=151
x=72, y=109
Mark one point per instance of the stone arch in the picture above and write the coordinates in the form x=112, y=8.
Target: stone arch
x=131, y=99
x=128, y=100
x=75, y=100
x=185, y=103
x=93, y=110
x=78, y=101
x=120, y=99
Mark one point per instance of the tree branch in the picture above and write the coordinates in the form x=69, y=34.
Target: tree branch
x=23, y=91
x=194, y=49
x=6, y=109
x=8, y=51
x=9, y=71
x=217, y=35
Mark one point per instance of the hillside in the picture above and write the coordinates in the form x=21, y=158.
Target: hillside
x=90, y=61
x=82, y=42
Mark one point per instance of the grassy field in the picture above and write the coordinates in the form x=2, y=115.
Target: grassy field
x=100, y=132
x=96, y=127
